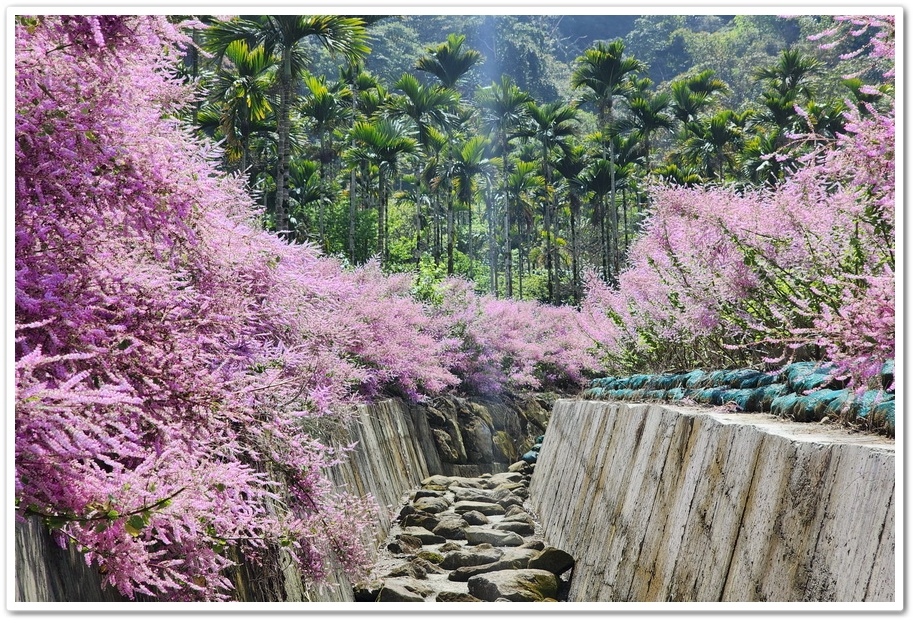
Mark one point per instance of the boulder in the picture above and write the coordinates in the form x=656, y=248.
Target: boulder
x=426, y=537
x=425, y=562
x=475, y=518
x=498, y=538
x=410, y=570
x=466, y=482
x=436, y=481
x=471, y=494
x=506, y=477
x=514, y=487
x=420, y=519
x=431, y=505
x=516, y=510
x=405, y=544
x=512, y=558
x=519, y=467
x=451, y=596
x=487, y=508
x=397, y=589
x=553, y=560
x=514, y=585
x=478, y=440
x=509, y=499
x=518, y=526
x=465, y=557
x=503, y=449
x=536, y=414
x=367, y=591
x=451, y=449
x=451, y=527
x=426, y=493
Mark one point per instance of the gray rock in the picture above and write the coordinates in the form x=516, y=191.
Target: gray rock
x=514, y=487
x=450, y=547
x=487, y=508
x=451, y=527
x=367, y=591
x=499, y=538
x=518, y=526
x=436, y=481
x=467, y=482
x=426, y=565
x=475, y=518
x=505, y=477
x=431, y=505
x=514, y=585
x=397, y=589
x=470, y=494
x=478, y=440
x=450, y=449
x=404, y=544
x=512, y=558
x=470, y=558
x=411, y=570
x=535, y=413
x=451, y=596
x=516, y=510
x=510, y=499
x=518, y=466
x=553, y=560
x=426, y=537
x=426, y=493
x=420, y=519
x=535, y=544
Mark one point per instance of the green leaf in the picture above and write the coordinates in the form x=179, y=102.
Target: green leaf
x=135, y=524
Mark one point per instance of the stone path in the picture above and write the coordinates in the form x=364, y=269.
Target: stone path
x=468, y=539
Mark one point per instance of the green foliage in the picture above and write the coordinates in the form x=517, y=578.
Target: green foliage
x=397, y=147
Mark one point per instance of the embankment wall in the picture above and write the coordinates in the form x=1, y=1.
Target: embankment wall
x=658, y=503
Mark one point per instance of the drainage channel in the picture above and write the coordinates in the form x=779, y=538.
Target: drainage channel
x=461, y=539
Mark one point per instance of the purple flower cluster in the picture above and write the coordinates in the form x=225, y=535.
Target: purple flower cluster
x=177, y=368
x=805, y=269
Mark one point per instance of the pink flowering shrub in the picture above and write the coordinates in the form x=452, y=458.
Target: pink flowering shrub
x=722, y=277
x=508, y=344
x=168, y=354
x=177, y=369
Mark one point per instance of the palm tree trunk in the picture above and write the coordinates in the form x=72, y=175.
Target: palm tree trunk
x=470, y=242
x=323, y=175
x=605, y=241
x=380, y=242
x=491, y=240
x=283, y=131
x=351, y=237
x=450, y=233
x=615, y=237
x=575, y=253
x=508, y=217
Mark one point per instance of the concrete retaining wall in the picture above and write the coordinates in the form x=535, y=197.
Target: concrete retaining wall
x=395, y=451
x=665, y=504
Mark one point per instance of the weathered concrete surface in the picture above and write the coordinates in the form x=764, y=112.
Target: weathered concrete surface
x=658, y=503
x=395, y=450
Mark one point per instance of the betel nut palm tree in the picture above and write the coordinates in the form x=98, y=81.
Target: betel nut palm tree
x=284, y=36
